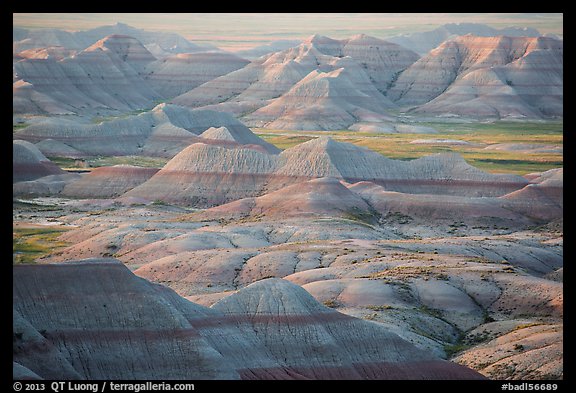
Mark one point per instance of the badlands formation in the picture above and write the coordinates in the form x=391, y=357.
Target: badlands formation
x=269, y=330
x=225, y=257
x=486, y=77
x=471, y=266
x=360, y=83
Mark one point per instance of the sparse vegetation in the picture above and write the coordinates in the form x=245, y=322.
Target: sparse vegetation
x=382, y=307
x=331, y=303
x=475, y=339
x=103, y=118
x=29, y=244
x=18, y=126
x=356, y=214
x=479, y=135
x=518, y=347
x=452, y=349
x=398, y=218
x=95, y=162
x=147, y=162
x=525, y=325
x=431, y=311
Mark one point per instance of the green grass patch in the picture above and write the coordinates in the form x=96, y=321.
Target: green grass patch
x=100, y=119
x=382, y=307
x=331, y=303
x=356, y=214
x=72, y=163
x=66, y=163
x=29, y=244
x=19, y=126
x=479, y=135
x=283, y=141
x=452, y=350
x=147, y=162
x=30, y=206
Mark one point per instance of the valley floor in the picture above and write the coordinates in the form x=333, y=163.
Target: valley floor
x=485, y=296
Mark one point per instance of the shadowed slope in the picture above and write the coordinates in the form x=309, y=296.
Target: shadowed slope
x=107, y=182
x=28, y=163
x=318, y=197
x=319, y=343
x=117, y=326
x=543, y=198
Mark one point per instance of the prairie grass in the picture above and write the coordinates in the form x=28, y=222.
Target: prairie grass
x=105, y=118
x=148, y=162
x=19, y=126
x=29, y=244
x=141, y=161
x=479, y=135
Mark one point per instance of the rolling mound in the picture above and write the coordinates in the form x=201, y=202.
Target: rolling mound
x=107, y=182
x=28, y=163
x=163, y=131
x=451, y=208
x=527, y=352
x=437, y=174
x=84, y=321
x=318, y=197
x=203, y=175
x=275, y=305
x=543, y=198
x=368, y=202
x=117, y=326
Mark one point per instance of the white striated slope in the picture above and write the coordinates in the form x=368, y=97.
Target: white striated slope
x=163, y=131
x=423, y=42
x=325, y=100
x=93, y=319
x=104, y=77
x=182, y=72
x=486, y=77
x=204, y=175
x=282, y=89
